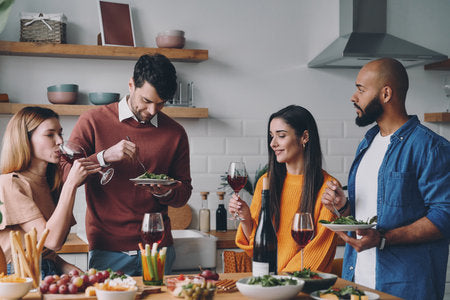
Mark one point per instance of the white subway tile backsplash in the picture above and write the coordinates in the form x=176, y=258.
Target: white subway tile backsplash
x=242, y=146
x=219, y=164
x=351, y=130
x=345, y=146
x=255, y=128
x=224, y=127
x=199, y=164
x=254, y=162
x=333, y=129
x=263, y=146
x=195, y=127
x=333, y=164
x=207, y=145
x=205, y=182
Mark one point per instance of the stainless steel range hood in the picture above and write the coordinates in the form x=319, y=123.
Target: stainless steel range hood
x=363, y=38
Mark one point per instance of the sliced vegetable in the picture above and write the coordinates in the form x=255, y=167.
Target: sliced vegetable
x=350, y=220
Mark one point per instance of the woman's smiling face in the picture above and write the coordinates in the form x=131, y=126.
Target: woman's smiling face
x=285, y=143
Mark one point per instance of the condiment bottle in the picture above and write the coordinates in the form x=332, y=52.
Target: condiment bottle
x=204, y=213
x=221, y=214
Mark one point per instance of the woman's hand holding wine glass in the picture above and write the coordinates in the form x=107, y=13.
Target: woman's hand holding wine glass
x=72, y=151
x=302, y=231
x=237, y=178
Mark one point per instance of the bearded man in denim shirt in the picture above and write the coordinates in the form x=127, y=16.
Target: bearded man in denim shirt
x=401, y=173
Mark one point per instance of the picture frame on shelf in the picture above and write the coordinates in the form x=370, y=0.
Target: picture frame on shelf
x=116, y=24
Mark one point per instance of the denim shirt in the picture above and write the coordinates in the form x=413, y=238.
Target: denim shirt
x=413, y=182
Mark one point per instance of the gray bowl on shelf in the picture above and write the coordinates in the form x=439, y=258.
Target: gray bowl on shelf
x=101, y=98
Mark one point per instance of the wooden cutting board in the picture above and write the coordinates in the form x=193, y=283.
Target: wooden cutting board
x=180, y=217
x=142, y=293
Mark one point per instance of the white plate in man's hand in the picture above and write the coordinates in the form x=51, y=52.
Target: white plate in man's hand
x=149, y=181
x=347, y=227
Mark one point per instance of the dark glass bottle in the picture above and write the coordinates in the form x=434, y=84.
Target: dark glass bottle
x=221, y=214
x=265, y=242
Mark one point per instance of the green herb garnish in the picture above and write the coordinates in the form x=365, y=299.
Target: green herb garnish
x=268, y=280
x=350, y=220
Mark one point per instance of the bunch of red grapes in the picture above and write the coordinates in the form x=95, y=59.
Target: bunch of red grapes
x=73, y=282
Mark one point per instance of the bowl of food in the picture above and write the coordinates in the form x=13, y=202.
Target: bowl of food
x=270, y=287
x=175, y=284
x=101, y=98
x=171, y=39
x=314, y=280
x=62, y=93
x=13, y=287
x=116, y=289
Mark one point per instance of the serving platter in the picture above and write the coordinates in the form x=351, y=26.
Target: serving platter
x=148, y=181
x=347, y=227
x=316, y=295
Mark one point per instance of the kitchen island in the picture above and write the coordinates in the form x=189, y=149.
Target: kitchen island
x=234, y=295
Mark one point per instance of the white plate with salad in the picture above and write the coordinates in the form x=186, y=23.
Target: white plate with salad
x=151, y=178
x=341, y=294
x=348, y=224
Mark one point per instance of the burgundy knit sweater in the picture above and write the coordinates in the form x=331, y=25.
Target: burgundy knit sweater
x=115, y=210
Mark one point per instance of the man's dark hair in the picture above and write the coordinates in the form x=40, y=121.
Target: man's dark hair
x=159, y=72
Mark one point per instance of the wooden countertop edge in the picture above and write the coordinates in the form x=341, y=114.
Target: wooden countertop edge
x=74, y=244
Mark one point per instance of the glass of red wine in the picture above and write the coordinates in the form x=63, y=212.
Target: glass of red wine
x=302, y=230
x=152, y=230
x=237, y=178
x=72, y=151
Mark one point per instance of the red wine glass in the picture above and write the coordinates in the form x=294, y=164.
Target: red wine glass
x=72, y=151
x=152, y=230
x=302, y=230
x=237, y=178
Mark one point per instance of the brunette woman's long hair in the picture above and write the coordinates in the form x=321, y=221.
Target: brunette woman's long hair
x=300, y=119
x=16, y=151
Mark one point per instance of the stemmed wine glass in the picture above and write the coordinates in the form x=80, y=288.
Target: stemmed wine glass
x=72, y=151
x=302, y=231
x=237, y=178
x=152, y=230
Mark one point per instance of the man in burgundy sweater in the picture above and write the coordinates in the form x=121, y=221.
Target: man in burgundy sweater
x=119, y=135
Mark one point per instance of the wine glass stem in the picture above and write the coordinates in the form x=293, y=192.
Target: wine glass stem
x=301, y=260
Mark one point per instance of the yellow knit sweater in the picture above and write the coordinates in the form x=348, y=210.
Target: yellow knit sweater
x=319, y=253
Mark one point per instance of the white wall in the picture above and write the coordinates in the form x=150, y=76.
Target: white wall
x=258, y=52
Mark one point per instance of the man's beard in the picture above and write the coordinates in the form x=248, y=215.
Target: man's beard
x=372, y=112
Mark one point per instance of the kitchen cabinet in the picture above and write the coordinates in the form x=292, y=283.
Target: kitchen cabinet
x=440, y=65
x=100, y=52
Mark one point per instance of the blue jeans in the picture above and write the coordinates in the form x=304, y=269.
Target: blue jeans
x=48, y=267
x=129, y=264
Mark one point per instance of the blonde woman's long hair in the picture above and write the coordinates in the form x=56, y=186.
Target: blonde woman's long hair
x=16, y=154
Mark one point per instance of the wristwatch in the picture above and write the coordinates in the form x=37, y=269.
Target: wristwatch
x=101, y=160
x=382, y=233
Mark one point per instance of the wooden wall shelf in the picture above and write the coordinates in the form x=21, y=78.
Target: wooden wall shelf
x=440, y=65
x=76, y=110
x=439, y=117
x=98, y=52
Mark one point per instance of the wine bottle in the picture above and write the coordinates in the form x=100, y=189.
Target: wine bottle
x=221, y=214
x=204, y=214
x=265, y=242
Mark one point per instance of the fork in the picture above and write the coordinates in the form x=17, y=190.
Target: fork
x=137, y=158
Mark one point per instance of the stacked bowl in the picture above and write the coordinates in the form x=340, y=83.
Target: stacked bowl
x=171, y=39
x=62, y=93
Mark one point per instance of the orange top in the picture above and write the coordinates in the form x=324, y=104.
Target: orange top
x=320, y=251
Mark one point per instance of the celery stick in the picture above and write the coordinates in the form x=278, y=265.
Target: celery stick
x=149, y=261
x=155, y=260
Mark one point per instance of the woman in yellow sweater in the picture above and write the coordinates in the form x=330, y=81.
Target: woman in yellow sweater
x=297, y=183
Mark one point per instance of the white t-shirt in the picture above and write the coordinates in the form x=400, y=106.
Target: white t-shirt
x=366, y=191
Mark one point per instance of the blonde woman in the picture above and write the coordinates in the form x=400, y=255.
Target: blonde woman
x=30, y=184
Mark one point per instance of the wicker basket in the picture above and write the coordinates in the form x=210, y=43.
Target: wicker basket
x=43, y=28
